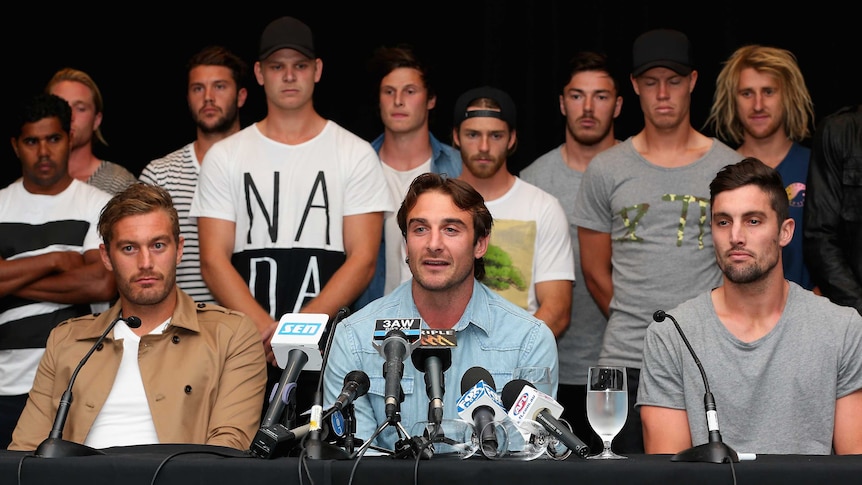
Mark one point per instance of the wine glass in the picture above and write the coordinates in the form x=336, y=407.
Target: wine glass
x=607, y=405
x=450, y=437
x=527, y=440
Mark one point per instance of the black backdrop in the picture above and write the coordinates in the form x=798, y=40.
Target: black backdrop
x=136, y=53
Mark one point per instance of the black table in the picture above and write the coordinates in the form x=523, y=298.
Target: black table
x=195, y=464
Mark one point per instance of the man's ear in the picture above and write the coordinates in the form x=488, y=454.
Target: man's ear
x=180, y=246
x=785, y=232
x=106, y=258
x=481, y=247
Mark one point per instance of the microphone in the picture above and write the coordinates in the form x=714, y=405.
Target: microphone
x=55, y=446
x=433, y=362
x=356, y=384
x=314, y=446
x=281, y=394
x=714, y=451
x=268, y=442
x=395, y=339
x=481, y=406
x=524, y=401
x=395, y=349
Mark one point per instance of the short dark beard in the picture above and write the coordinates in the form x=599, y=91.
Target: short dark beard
x=224, y=125
x=750, y=274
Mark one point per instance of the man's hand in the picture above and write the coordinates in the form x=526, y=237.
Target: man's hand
x=266, y=334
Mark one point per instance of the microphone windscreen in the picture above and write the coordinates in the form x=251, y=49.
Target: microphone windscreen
x=473, y=376
x=132, y=321
x=512, y=390
x=421, y=355
x=360, y=378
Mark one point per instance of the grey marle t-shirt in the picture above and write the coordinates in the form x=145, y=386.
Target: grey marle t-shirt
x=662, y=252
x=775, y=395
x=578, y=348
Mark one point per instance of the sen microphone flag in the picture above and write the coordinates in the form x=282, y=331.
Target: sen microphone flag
x=299, y=331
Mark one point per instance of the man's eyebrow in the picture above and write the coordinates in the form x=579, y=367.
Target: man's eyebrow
x=446, y=221
x=455, y=221
x=757, y=213
x=151, y=240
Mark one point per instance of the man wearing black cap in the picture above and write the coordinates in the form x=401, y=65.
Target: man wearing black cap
x=642, y=212
x=531, y=249
x=285, y=207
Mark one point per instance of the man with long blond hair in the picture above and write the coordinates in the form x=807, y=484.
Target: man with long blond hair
x=762, y=106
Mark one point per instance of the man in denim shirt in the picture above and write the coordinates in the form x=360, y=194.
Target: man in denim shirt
x=446, y=226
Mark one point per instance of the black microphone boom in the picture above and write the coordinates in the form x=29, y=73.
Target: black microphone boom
x=55, y=446
x=315, y=448
x=714, y=451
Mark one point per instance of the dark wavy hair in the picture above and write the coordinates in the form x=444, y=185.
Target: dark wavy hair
x=463, y=195
x=216, y=55
x=751, y=171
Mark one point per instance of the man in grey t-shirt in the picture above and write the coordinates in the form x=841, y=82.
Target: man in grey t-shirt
x=642, y=212
x=783, y=364
x=590, y=101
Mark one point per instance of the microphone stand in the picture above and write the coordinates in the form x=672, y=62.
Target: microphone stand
x=394, y=420
x=288, y=419
x=54, y=446
x=350, y=425
x=315, y=448
x=714, y=451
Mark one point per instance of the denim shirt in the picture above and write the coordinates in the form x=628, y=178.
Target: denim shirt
x=444, y=159
x=492, y=333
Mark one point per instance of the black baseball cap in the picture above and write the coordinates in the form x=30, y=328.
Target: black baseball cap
x=507, y=111
x=662, y=48
x=286, y=33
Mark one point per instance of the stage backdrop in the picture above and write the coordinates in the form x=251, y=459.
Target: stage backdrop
x=137, y=52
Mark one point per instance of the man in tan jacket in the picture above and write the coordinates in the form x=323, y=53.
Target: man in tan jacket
x=190, y=373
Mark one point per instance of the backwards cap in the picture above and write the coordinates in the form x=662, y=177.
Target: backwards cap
x=507, y=111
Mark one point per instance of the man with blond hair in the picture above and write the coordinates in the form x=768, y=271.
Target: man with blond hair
x=85, y=98
x=762, y=106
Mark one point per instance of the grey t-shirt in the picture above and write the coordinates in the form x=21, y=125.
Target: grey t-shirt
x=579, y=346
x=775, y=395
x=662, y=252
